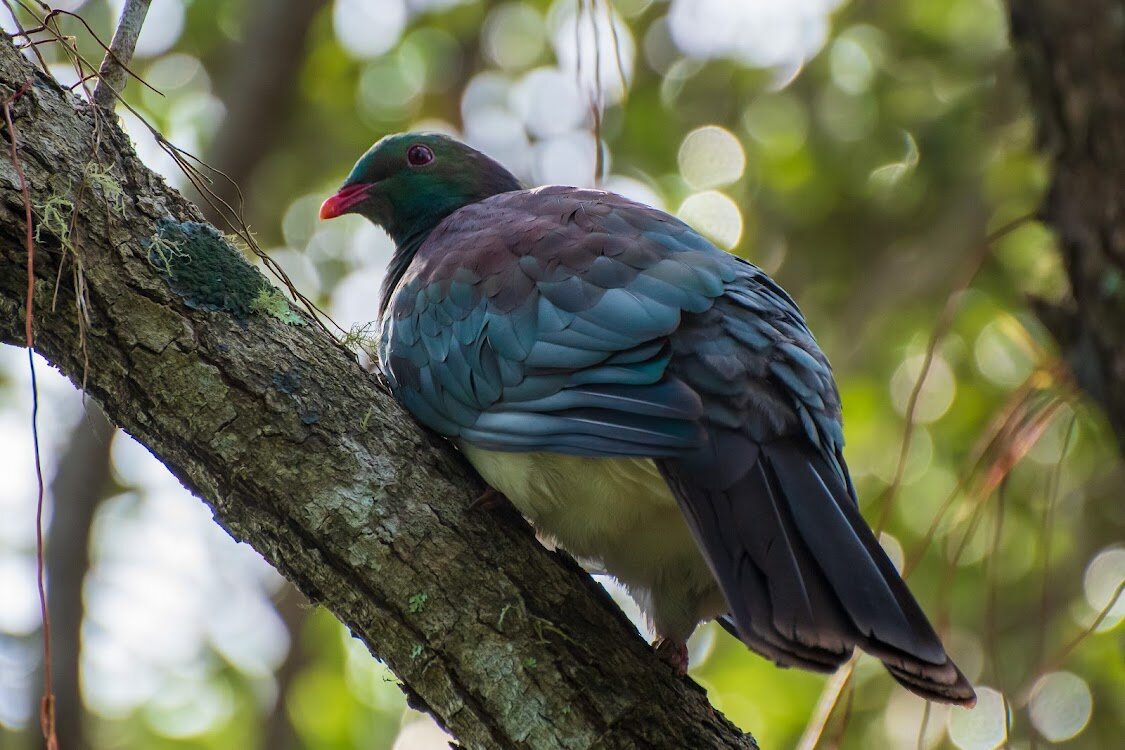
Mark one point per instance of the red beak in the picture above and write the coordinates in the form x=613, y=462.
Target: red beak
x=343, y=201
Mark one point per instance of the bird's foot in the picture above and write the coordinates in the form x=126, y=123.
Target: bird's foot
x=673, y=652
x=490, y=499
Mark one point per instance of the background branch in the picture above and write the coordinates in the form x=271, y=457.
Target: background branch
x=78, y=488
x=1073, y=57
x=259, y=92
x=112, y=75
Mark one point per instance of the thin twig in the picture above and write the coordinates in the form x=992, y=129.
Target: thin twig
x=996, y=444
x=1045, y=533
x=25, y=33
x=47, y=703
x=941, y=328
x=1050, y=665
x=997, y=429
x=597, y=102
x=111, y=74
x=617, y=50
x=845, y=718
x=992, y=577
x=81, y=62
x=829, y=698
x=921, y=744
x=199, y=181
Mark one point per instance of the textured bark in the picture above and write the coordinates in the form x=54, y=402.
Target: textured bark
x=1073, y=57
x=301, y=453
x=259, y=103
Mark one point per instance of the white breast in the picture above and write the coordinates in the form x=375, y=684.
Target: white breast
x=619, y=514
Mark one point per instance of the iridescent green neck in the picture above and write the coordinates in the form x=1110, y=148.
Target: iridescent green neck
x=423, y=200
x=400, y=261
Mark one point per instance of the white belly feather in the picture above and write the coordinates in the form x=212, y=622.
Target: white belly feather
x=619, y=514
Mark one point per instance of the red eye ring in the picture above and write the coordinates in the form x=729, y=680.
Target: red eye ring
x=419, y=155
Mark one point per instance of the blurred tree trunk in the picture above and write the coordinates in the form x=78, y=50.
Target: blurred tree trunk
x=79, y=486
x=293, y=609
x=303, y=454
x=258, y=91
x=1073, y=57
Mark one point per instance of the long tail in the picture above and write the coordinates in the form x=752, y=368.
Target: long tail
x=805, y=578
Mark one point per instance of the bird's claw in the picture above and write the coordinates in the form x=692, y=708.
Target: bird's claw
x=673, y=652
x=490, y=499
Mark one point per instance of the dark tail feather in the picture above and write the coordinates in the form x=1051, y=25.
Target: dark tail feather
x=950, y=686
x=803, y=573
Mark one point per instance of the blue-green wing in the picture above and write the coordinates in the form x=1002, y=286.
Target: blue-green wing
x=541, y=321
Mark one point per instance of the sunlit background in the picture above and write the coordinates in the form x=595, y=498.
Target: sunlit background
x=860, y=152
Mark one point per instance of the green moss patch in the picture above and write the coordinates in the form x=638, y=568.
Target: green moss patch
x=209, y=274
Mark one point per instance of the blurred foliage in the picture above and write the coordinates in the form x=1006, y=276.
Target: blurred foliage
x=867, y=150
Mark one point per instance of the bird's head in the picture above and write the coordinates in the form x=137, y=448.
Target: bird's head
x=407, y=183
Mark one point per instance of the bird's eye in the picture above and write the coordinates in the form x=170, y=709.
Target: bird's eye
x=419, y=155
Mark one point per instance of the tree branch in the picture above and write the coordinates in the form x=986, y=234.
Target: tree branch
x=1073, y=57
x=301, y=453
x=112, y=72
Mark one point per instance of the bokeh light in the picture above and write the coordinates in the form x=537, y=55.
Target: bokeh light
x=936, y=395
x=161, y=559
x=514, y=35
x=389, y=86
x=779, y=122
x=421, y=734
x=919, y=459
x=982, y=727
x=634, y=189
x=759, y=33
x=715, y=215
x=903, y=719
x=850, y=60
x=1060, y=439
x=548, y=102
x=893, y=547
x=568, y=159
x=967, y=651
x=710, y=157
x=368, y=28
x=173, y=71
x=1103, y=577
x=20, y=613
x=18, y=665
x=1061, y=705
x=149, y=150
x=189, y=707
x=998, y=354
x=885, y=179
x=660, y=52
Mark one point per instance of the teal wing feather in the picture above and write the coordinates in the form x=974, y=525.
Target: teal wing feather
x=541, y=320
